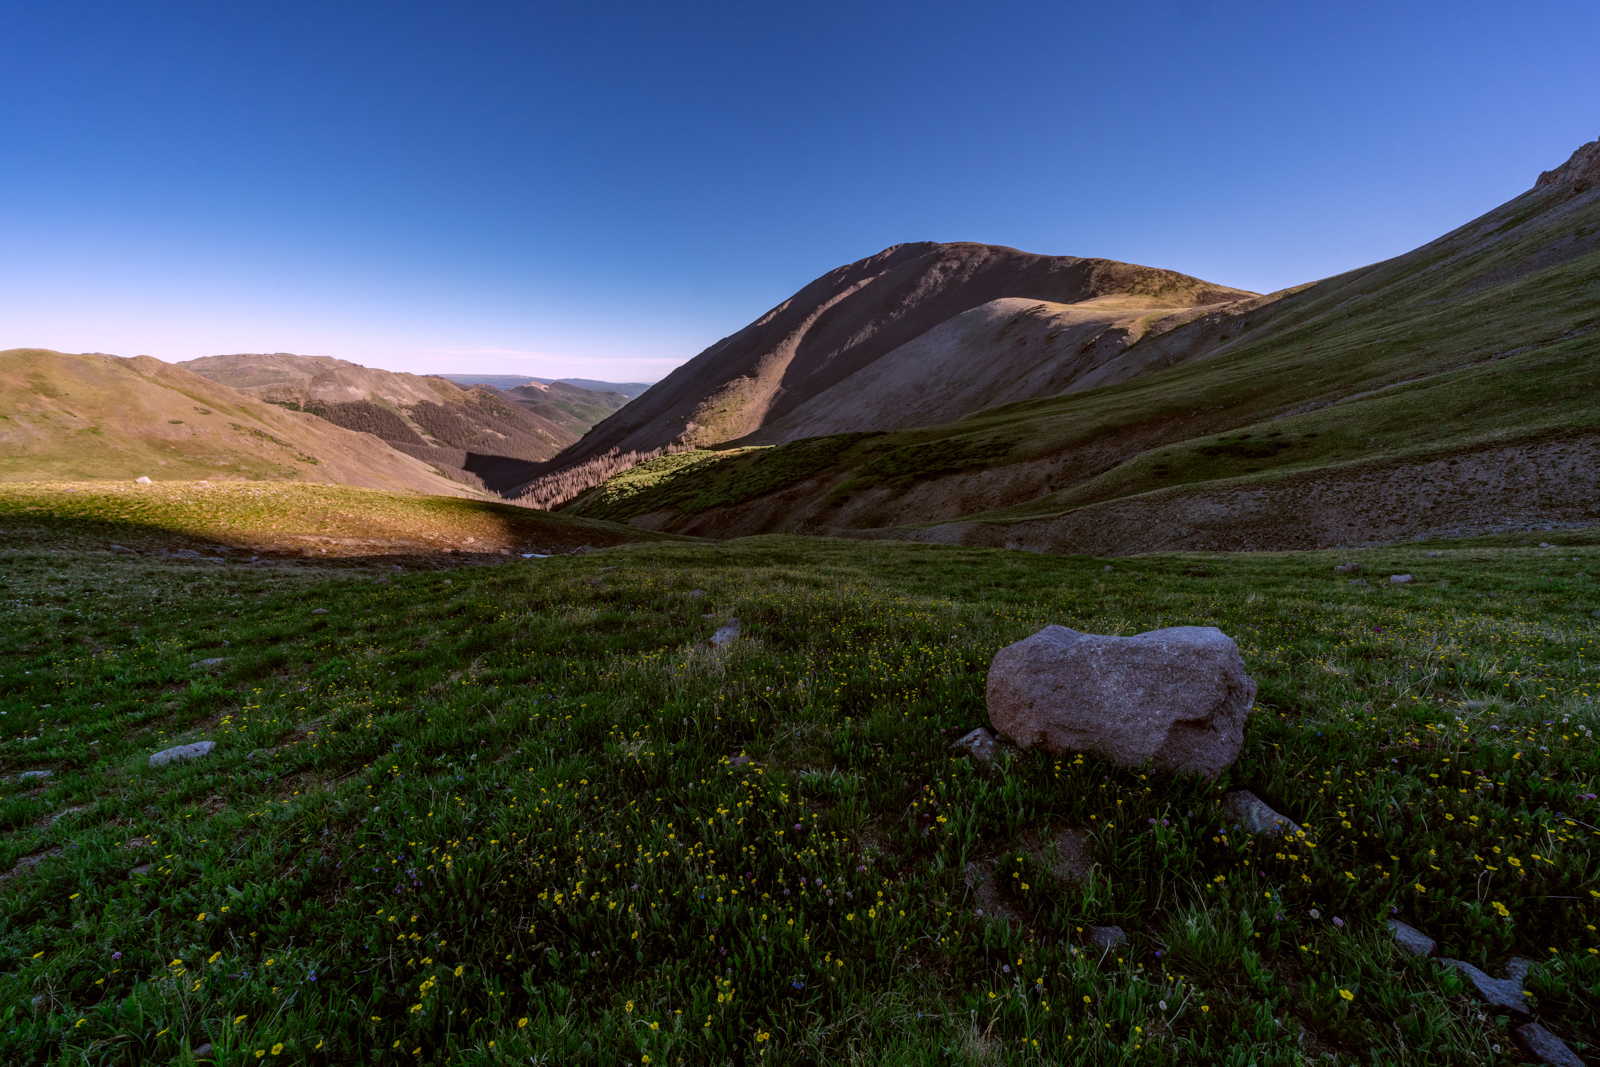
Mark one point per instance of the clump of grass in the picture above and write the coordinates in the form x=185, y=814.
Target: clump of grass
x=514, y=812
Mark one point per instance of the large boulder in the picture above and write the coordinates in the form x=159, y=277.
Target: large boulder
x=1177, y=697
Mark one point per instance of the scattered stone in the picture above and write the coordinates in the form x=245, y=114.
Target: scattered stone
x=117, y=548
x=1501, y=992
x=709, y=615
x=26, y=776
x=26, y=863
x=726, y=635
x=991, y=899
x=604, y=569
x=324, y=611
x=739, y=761
x=1546, y=544
x=1108, y=566
x=1348, y=568
x=207, y=664
x=505, y=551
x=1433, y=555
x=182, y=752
x=141, y=480
x=1401, y=579
x=1107, y=937
x=1176, y=697
x=141, y=870
x=1544, y=1046
x=203, y=1050
x=697, y=592
x=979, y=745
x=1411, y=939
x=1252, y=813
x=1359, y=581
x=536, y=555
x=187, y=553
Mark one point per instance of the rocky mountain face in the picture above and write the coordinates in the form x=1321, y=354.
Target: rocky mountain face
x=800, y=368
x=1583, y=166
x=475, y=435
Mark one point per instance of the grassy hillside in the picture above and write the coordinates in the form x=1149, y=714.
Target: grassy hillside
x=77, y=417
x=573, y=409
x=228, y=519
x=511, y=813
x=1486, y=337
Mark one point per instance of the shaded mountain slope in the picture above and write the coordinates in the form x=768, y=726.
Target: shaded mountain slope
x=511, y=381
x=473, y=435
x=73, y=417
x=1464, y=371
x=846, y=320
x=573, y=409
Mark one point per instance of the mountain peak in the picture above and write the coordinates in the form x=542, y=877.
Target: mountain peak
x=1583, y=166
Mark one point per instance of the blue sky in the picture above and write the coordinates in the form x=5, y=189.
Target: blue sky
x=603, y=189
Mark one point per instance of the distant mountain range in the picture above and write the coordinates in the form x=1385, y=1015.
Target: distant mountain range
x=511, y=381
x=479, y=436
x=976, y=395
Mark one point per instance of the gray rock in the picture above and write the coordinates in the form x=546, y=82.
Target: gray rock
x=187, y=553
x=117, y=548
x=1348, y=568
x=697, y=592
x=1401, y=579
x=1251, y=812
x=980, y=745
x=728, y=634
x=1411, y=939
x=1544, y=1046
x=207, y=664
x=27, y=776
x=1359, y=581
x=1107, y=937
x=1433, y=555
x=141, y=870
x=141, y=480
x=324, y=611
x=1546, y=544
x=202, y=1051
x=182, y=752
x=1177, y=697
x=1501, y=992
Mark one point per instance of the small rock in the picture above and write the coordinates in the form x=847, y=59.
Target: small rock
x=1401, y=579
x=30, y=775
x=182, y=752
x=709, y=615
x=505, y=551
x=1359, y=581
x=739, y=761
x=726, y=635
x=1107, y=937
x=1348, y=568
x=1433, y=555
x=1546, y=544
x=604, y=569
x=1069, y=853
x=1177, y=697
x=1544, y=1046
x=1108, y=566
x=141, y=870
x=697, y=592
x=1252, y=813
x=203, y=1050
x=979, y=745
x=141, y=480
x=187, y=553
x=536, y=555
x=1501, y=992
x=324, y=611
x=1411, y=939
x=206, y=664
x=117, y=548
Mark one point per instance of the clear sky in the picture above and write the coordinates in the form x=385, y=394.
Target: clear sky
x=603, y=189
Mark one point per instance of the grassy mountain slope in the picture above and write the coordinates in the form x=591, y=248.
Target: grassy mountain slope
x=511, y=381
x=567, y=406
x=79, y=417
x=226, y=520
x=1454, y=386
x=473, y=434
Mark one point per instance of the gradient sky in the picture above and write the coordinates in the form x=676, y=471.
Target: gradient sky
x=604, y=189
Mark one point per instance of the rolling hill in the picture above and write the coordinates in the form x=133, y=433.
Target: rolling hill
x=1448, y=389
x=511, y=381
x=476, y=435
x=67, y=417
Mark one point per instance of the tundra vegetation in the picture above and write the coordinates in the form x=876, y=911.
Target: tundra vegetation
x=519, y=813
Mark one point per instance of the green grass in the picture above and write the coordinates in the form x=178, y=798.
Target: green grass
x=501, y=814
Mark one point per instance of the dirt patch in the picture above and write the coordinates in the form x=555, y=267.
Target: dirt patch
x=28, y=863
